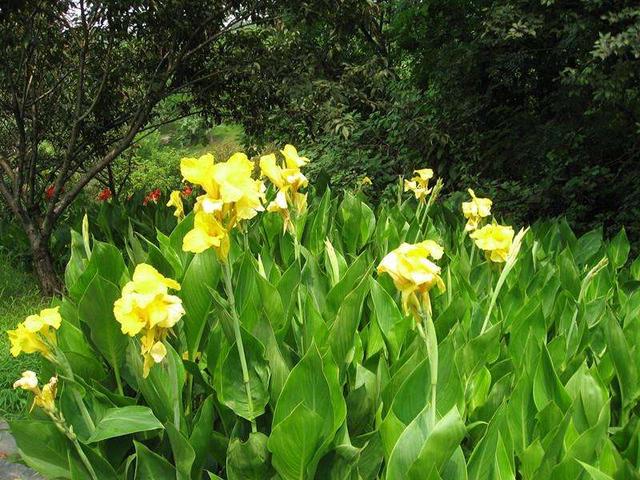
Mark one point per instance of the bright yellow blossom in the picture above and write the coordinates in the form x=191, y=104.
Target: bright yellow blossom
x=475, y=210
x=199, y=171
x=495, y=240
x=36, y=333
x=419, y=184
x=207, y=232
x=292, y=158
x=365, y=181
x=289, y=180
x=414, y=273
x=148, y=309
x=231, y=195
x=44, y=398
x=175, y=200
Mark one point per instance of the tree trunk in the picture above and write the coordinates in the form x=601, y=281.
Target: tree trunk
x=50, y=284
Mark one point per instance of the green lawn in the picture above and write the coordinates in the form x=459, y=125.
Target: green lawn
x=19, y=297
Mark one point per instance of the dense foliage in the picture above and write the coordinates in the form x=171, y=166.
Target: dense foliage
x=534, y=365
x=537, y=101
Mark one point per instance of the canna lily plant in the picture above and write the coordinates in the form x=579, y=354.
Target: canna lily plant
x=252, y=340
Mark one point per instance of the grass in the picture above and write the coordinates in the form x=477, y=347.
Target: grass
x=19, y=297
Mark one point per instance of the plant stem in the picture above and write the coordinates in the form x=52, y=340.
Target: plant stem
x=226, y=268
x=83, y=410
x=494, y=297
x=431, y=342
x=61, y=425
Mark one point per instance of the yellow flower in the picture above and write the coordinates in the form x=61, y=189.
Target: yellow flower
x=475, y=210
x=35, y=333
x=207, y=232
x=366, y=181
x=199, y=171
x=175, y=200
x=413, y=273
x=292, y=158
x=148, y=309
x=232, y=195
x=288, y=181
x=495, y=240
x=419, y=184
x=44, y=398
x=47, y=397
x=28, y=381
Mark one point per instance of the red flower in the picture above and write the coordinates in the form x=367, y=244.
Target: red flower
x=105, y=194
x=48, y=193
x=187, y=191
x=152, y=196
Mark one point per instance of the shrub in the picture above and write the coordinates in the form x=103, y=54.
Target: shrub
x=278, y=351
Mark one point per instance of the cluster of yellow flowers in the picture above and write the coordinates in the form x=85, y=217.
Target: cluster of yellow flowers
x=494, y=239
x=147, y=309
x=289, y=180
x=419, y=184
x=36, y=333
x=43, y=398
x=475, y=210
x=231, y=195
x=414, y=274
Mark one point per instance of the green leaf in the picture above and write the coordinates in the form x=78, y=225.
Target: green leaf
x=392, y=323
x=620, y=352
x=343, y=330
x=151, y=466
x=203, y=273
x=230, y=383
x=547, y=386
x=295, y=442
x=250, y=459
x=117, y=422
x=309, y=410
x=594, y=473
x=183, y=453
x=96, y=311
x=438, y=445
x=42, y=447
x=618, y=251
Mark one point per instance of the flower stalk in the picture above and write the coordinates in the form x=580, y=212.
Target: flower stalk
x=226, y=269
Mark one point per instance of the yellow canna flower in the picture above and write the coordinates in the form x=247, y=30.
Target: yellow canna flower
x=207, y=232
x=36, y=333
x=47, y=397
x=231, y=195
x=288, y=181
x=44, y=398
x=475, y=210
x=199, y=171
x=365, y=181
x=28, y=381
x=414, y=273
x=292, y=158
x=495, y=240
x=419, y=184
x=148, y=309
x=175, y=200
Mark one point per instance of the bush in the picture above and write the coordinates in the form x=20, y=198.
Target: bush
x=293, y=359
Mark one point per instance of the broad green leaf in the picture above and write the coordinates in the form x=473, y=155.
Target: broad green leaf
x=249, y=460
x=120, y=421
x=42, y=447
x=202, y=274
x=618, y=251
x=151, y=466
x=230, y=382
x=392, y=323
x=96, y=311
x=183, y=453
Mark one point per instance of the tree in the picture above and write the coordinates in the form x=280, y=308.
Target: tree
x=80, y=80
